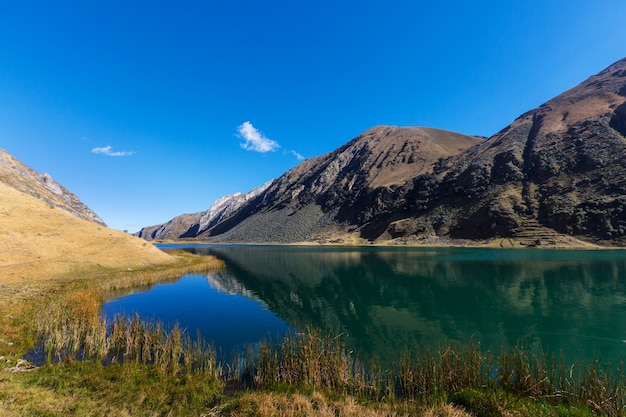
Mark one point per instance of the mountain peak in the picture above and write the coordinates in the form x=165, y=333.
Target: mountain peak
x=397, y=154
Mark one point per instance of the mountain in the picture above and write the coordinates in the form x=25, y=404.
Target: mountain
x=322, y=198
x=317, y=194
x=41, y=186
x=45, y=231
x=190, y=225
x=173, y=229
x=556, y=171
x=553, y=177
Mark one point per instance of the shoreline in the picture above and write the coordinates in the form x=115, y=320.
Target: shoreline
x=196, y=393
x=495, y=243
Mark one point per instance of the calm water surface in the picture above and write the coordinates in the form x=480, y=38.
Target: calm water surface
x=387, y=300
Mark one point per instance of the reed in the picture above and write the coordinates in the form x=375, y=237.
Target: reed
x=70, y=329
x=127, y=340
x=113, y=281
x=314, y=360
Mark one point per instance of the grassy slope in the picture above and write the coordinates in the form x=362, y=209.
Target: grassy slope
x=39, y=242
x=43, y=249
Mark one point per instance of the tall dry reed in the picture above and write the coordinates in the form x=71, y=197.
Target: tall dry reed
x=311, y=358
x=317, y=360
x=69, y=327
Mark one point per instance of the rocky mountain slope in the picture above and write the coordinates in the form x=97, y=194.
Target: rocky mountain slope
x=554, y=177
x=320, y=198
x=318, y=193
x=556, y=170
x=41, y=186
x=190, y=225
x=173, y=229
x=56, y=234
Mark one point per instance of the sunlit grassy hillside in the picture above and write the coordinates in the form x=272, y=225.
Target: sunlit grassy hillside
x=41, y=241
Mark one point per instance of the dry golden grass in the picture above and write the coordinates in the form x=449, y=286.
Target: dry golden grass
x=271, y=404
x=47, y=253
x=40, y=242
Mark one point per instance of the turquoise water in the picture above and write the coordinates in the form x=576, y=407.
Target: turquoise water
x=388, y=300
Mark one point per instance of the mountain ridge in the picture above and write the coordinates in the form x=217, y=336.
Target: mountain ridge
x=192, y=224
x=307, y=195
x=545, y=166
x=553, y=177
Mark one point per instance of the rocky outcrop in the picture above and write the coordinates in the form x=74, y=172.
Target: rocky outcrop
x=41, y=186
x=226, y=206
x=172, y=229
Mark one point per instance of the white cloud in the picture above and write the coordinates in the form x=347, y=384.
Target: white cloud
x=106, y=150
x=254, y=140
x=297, y=155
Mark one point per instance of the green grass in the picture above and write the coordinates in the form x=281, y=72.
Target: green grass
x=127, y=389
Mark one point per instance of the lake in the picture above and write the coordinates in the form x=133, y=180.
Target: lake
x=388, y=300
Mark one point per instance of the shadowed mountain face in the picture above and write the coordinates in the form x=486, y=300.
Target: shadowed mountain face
x=174, y=229
x=318, y=194
x=191, y=225
x=554, y=177
x=41, y=186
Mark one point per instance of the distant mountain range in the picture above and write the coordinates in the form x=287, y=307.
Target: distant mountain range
x=556, y=176
x=190, y=225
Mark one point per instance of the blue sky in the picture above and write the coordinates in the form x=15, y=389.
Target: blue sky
x=150, y=109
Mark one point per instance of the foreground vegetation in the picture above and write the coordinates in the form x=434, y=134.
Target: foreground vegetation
x=129, y=367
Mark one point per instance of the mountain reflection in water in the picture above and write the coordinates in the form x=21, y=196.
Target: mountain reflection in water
x=388, y=300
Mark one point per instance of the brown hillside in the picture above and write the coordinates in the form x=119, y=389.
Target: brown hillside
x=401, y=153
x=556, y=171
x=311, y=195
x=172, y=229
